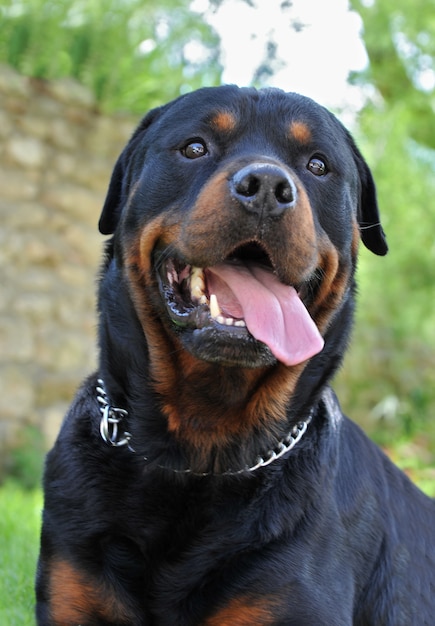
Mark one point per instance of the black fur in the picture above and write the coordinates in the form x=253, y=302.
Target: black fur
x=330, y=534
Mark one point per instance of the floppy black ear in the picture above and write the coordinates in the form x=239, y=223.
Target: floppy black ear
x=119, y=185
x=372, y=233
x=114, y=199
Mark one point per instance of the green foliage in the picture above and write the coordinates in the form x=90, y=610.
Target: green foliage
x=400, y=42
x=20, y=518
x=127, y=52
x=388, y=382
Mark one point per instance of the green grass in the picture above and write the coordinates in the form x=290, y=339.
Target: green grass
x=20, y=514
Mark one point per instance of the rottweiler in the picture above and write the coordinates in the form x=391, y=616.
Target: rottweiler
x=205, y=475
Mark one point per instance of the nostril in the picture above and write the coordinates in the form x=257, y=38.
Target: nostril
x=284, y=192
x=247, y=186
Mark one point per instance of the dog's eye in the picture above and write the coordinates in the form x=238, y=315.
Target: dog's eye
x=194, y=150
x=317, y=166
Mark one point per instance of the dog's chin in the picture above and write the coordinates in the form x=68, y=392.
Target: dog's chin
x=222, y=346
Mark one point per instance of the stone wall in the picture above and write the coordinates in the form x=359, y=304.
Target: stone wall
x=56, y=157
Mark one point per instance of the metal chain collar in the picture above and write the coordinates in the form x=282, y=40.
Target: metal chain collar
x=112, y=435
x=111, y=417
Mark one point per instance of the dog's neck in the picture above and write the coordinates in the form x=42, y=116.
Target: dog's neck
x=113, y=434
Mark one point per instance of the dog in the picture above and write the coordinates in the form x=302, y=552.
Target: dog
x=205, y=475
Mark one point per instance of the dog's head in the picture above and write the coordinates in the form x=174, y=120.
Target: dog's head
x=237, y=216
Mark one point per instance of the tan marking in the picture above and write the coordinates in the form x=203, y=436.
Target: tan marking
x=207, y=405
x=356, y=238
x=300, y=131
x=216, y=226
x=75, y=598
x=243, y=612
x=335, y=280
x=224, y=121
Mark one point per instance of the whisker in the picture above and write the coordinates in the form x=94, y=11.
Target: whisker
x=164, y=256
x=368, y=226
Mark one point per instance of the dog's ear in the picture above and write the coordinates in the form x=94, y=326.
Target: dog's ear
x=372, y=233
x=120, y=181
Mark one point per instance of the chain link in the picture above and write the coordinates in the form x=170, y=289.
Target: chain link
x=110, y=433
x=111, y=417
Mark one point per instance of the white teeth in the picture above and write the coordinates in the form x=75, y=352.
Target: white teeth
x=214, y=307
x=197, y=291
x=217, y=315
x=230, y=321
x=197, y=285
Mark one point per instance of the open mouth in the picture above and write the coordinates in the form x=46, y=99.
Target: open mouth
x=196, y=298
x=240, y=297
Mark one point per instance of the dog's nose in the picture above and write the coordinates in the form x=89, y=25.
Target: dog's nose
x=264, y=188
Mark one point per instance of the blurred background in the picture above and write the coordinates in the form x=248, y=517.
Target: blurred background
x=75, y=78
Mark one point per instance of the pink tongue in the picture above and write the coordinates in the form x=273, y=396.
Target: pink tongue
x=273, y=312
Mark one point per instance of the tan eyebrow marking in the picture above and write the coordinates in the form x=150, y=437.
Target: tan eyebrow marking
x=300, y=132
x=224, y=121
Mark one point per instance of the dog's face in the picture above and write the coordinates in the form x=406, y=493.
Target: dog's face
x=237, y=216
